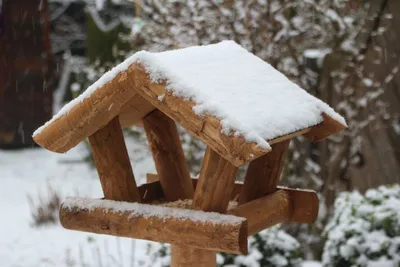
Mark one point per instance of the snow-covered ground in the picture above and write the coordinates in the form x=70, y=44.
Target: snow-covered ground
x=30, y=172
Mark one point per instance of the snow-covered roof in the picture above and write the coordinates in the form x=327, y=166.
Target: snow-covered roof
x=234, y=101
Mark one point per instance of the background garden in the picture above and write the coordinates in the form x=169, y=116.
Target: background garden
x=345, y=52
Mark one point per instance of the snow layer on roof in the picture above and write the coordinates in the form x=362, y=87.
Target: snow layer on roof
x=246, y=94
x=148, y=211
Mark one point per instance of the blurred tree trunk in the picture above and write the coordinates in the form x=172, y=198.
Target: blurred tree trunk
x=380, y=149
x=25, y=71
x=378, y=155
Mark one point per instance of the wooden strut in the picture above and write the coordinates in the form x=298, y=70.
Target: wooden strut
x=263, y=173
x=169, y=159
x=165, y=145
x=112, y=163
x=281, y=206
x=216, y=181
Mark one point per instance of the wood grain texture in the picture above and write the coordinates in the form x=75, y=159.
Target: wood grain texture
x=289, y=136
x=326, y=128
x=216, y=236
x=191, y=257
x=152, y=179
x=216, y=181
x=134, y=110
x=278, y=207
x=304, y=202
x=305, y=205
x=263, y=174
x=112, y=163
x=165, y=145
x=132, y=96
x=207, y=128
x=265, y=212
x=88, y=116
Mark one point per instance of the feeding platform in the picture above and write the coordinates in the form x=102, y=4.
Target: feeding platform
x=243, y=109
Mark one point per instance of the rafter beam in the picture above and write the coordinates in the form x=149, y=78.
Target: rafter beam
x=113, y=164
x=165, y=145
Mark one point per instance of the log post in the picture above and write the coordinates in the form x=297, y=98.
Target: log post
x=213, y=191
x=263, y=173
x=112, y=163
x=184, y=227
x=165, y=145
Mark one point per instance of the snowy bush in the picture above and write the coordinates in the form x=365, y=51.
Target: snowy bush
x=269, y=248
x=365, y=230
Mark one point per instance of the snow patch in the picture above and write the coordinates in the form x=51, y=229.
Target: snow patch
x=147, y=211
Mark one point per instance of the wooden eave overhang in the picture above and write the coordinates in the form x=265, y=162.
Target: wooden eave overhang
x=131, y=96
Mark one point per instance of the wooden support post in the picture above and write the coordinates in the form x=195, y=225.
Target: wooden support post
x=166, y=147
x=217, y=179
x=112, y=163
x=184, y=227
x=263, y=173
x=168, y=156
x=216, y=182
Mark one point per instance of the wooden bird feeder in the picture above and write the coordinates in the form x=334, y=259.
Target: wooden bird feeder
x=241, y=107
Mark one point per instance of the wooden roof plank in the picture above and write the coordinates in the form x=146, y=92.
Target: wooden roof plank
x=327, y=127
x=87, y=115
x=134, y=111
x=207, y=128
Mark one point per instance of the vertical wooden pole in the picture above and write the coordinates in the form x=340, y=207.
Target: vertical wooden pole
x=263, y=173
x=216, y=182
x=112, y=163
x=172, y=170
x=168, y=156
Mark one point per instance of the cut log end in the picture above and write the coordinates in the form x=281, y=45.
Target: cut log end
x=285, y=205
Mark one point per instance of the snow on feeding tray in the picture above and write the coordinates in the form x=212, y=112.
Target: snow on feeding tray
x=246, y=96
x=136, y=210
x=157, y=223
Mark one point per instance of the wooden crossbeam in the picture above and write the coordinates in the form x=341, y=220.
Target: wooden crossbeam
x=263, y=173
x=216, y=181
x=300, y=206
x=168, y=156
x=278, y=207
x=326, y=128
x=183, y=227
x=112, y=163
